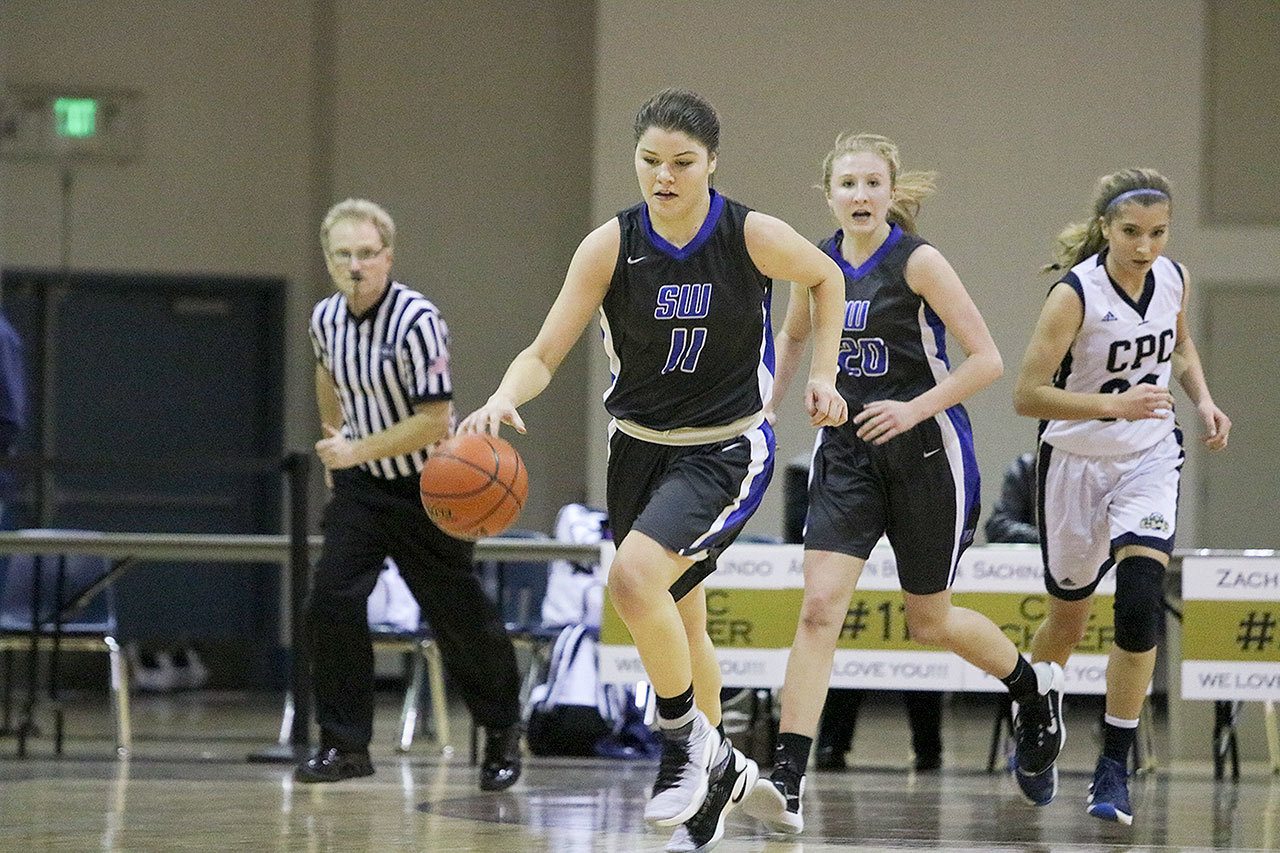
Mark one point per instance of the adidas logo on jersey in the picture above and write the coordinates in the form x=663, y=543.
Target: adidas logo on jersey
x=1108, y=317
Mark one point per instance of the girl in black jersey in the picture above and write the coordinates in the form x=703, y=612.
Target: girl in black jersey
x=902, y=466
x=681, y=282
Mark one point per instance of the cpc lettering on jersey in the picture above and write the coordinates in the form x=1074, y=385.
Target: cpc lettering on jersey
x=683, y=301
x=1140, y=349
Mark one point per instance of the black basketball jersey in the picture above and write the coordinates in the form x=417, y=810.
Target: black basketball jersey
x=687, y=329
x=893, y=346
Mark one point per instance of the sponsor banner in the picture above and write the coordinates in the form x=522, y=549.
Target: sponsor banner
x=1230, y=680
x=738, y=667
x=1086, y=674
x=1231, y=628
x=752, y=622
x=1231, y=578
x=1231, y=631
x=897, y=670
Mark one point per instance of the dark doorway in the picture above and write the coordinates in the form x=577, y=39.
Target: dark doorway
x=157, y=407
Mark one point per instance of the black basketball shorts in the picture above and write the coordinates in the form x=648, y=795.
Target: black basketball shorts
x=921, y=489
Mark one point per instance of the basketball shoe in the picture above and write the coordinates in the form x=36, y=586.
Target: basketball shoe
x=732, y=778
x=687, y=755
x=776, y=800
x=1039, y=789
x=1109, y=792
x=1038, y=723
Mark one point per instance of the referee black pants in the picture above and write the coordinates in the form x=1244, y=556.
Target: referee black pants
x=367, y=520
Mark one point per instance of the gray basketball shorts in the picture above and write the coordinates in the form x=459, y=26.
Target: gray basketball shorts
x=692, y=500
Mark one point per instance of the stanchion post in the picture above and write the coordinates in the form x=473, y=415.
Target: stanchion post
x=299, y=467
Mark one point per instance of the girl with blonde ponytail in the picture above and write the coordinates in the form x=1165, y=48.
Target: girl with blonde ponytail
x=1111, y=335
x=903, y=464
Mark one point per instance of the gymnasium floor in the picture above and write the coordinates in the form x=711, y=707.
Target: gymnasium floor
x=188, y=787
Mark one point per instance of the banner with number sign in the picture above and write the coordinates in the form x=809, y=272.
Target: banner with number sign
x=1231, y=628
x=753, y=606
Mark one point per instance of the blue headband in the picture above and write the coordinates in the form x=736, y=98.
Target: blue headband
x=1129, y=194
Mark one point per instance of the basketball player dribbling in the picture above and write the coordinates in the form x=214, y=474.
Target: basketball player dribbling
x=904, y=464
x=1112, y=331
x=682, y=284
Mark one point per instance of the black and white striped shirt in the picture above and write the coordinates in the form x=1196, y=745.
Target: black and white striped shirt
x=383, y=363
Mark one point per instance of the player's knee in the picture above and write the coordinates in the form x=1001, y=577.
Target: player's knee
x=1138, y=603
x=927, y=628
x=823, y=610
x=629, y=589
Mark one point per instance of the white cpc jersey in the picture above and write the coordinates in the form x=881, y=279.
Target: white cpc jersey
x=1120, y=343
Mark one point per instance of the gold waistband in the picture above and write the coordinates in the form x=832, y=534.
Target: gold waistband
x=687, y=436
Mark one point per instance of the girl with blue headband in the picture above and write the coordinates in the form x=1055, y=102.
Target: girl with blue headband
x=1112, y=333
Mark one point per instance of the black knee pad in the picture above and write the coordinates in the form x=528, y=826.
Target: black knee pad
x=1139, y=603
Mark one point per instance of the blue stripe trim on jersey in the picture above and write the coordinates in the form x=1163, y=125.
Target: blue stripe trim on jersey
x=1177, y=266
x=680, y=253
x=1073, y=281
x=1148, y=287
x=769, y=358
x=972, y=480
x=749, y=504
x=860, y=271
x=1164, y=546
x=939, y=329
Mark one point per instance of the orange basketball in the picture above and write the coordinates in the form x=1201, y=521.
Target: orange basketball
x=474, y=486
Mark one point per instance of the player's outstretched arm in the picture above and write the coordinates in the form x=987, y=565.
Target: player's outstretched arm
x=584, y=288
x=789, y=347
x=780, y=253
x=1190, y=375
x=930, y=275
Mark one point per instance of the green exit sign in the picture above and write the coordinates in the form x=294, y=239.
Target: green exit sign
x=75, y=118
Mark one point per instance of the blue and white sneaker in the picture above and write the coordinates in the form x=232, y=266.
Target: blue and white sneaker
x=1109, y=792
x=1038, y=789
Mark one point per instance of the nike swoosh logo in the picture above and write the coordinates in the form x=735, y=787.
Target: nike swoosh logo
x=731, y=447
x=632, y=260
x=931, y=452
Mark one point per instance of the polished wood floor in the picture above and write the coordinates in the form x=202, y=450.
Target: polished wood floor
x=187, y=786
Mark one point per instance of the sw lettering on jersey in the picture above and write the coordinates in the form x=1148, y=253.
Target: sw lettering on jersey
x=855, y=314
x=683, y=301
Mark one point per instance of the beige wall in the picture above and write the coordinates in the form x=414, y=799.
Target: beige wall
x=1020, y=106
x=470, y=124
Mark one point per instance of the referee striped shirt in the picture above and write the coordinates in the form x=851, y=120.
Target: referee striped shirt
x=383, y=363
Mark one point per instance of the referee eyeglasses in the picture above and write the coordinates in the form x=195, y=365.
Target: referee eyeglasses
x=344, y=257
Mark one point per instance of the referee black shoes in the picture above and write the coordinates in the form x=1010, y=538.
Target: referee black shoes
x=501, y=766
x=333, y=765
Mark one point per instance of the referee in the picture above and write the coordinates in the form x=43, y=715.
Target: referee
x=383, y=389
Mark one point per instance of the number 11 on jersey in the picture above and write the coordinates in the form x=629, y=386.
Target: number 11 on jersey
x=686, y=346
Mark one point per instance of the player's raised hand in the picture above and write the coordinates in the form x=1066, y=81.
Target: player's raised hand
x=491, y=416
x=1216, y=425
x=825, y=405
x=1144, y=401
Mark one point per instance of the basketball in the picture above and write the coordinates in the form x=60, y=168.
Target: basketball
x=474, y=486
